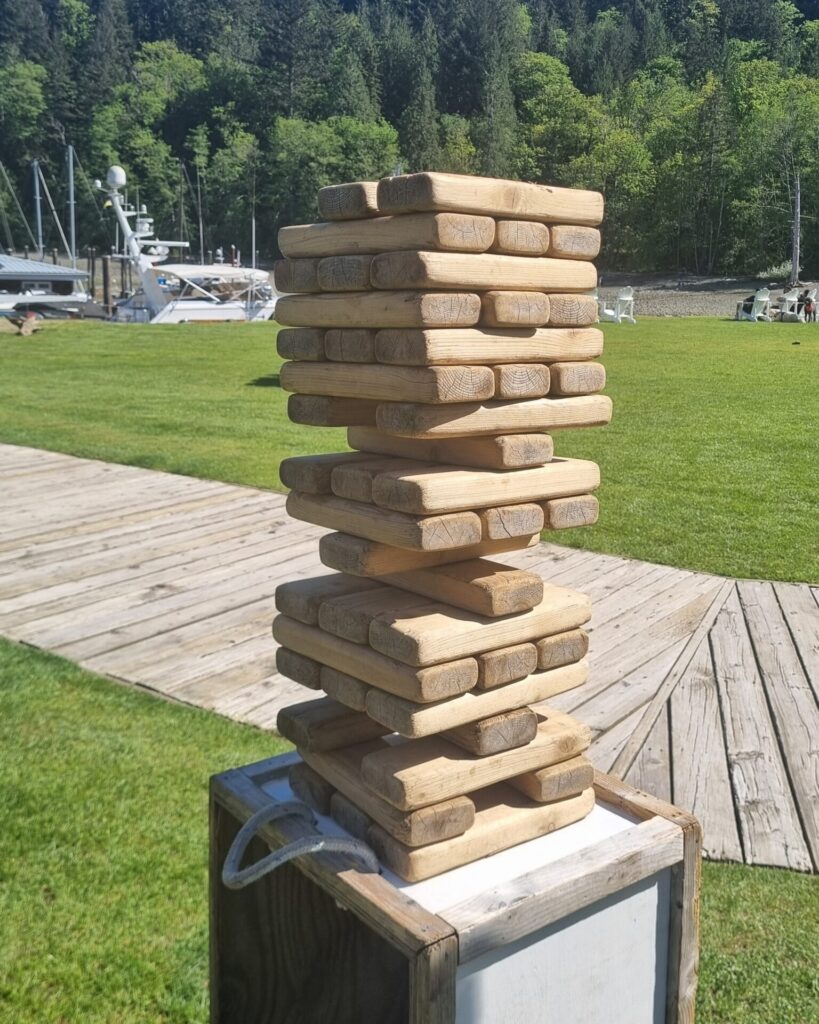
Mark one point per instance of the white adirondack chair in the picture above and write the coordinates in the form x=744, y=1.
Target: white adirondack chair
x=623, y=309
x=789, y=308
x=760, y=307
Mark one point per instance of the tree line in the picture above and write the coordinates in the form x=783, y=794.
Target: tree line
x=695, y=117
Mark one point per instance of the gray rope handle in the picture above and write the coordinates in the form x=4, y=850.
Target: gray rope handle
x=234, y=877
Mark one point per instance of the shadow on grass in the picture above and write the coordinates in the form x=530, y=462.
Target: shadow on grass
x=270, y=381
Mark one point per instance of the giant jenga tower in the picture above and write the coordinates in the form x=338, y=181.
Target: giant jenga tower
x=443, y=320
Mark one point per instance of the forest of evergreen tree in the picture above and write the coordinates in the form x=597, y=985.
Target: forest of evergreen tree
x=695, y=117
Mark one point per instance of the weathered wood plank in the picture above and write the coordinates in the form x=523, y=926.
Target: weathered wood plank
x=521, y=380
x=438, y=384
x=801, y=613
x=486, y=346
x=380, y=309
x=651, y=769
x=349, y=201
x=515, y=309
x=426, y=270
x=477, y=585
x=503, y=451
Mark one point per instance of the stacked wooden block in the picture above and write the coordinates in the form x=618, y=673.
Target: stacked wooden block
x=443, y=320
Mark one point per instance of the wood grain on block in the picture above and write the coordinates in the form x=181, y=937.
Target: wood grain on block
x=299, y=668
x=486, y=345
x=350, y=617
x=415, y=720
x=456, y=232
x=412, y=419
x=325, y=725
x=441, y=633
x=380, y=309
x=493, y=735
x=344, y=273
x=312, y=473
x=448, y=489
x=514, y=309
x=390, y=383
x=344, y=689
x=321, y=411
x=428, y=825
x=350, y=345
x=296, y=276
x=488, y=588
x=352, y=200
x=361, y=557
x=351, y=818
x=309, y=787
x=565, y=513
x=503, y=451
x=521, y=380
x=574, y=242
x=577, y=378
x=521, y=520
x=557, y=782
x=354, y=480
x=572, y=311
x=413, y=269
x=503, y=818
x=507, y=665
x=432, y=190
x=301, y=599
x=521, y=238
x=562, y=649
x=424, y=685
x=415, y=533
x=301, y=343
x=421, y=772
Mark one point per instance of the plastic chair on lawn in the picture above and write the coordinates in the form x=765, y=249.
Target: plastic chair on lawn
x=760, y=307
x=789, y=307
x=625, y=306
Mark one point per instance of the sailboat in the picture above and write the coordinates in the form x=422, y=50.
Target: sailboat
x=175, y=293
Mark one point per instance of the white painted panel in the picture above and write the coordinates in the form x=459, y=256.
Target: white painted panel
x=603, y=965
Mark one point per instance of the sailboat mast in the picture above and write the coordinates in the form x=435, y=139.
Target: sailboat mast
x=38, y=210
x=72, y=204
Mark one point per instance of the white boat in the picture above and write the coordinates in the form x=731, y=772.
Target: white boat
x=175, y=293
x=41, y=288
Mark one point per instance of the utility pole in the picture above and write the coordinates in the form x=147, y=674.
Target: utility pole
x=72, y=204
x=797, y=227
x=38, y=212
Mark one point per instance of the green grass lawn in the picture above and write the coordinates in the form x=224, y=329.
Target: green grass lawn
x=103, y=848
x=711, y=461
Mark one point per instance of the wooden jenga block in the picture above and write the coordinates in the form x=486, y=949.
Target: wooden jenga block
x=557, y=782
x=301, y=599
x=572, y=311
x=350, y=345
x=350, y=615
x=506, y=665
x=521, y=520
x=415, y=533
x=392, y=270
x=427, y=636
x=486, y=346
x=573, y=242
x=309, y=787
x=521, y=380
x=321, y=411
x=563, y=649
x=302, y=670
x=354, y=480
x=577, y=378
x=514, y=309
x=312, y=473
x=423, y=685
x=503, y=451
x=361, y=557
x=296, y=276
x=342, y=768
x=318, y=725
x=380, y=309
x=344, y=689
x=351, y=201
x=432, y=190
x=488, y=588
x=455, y=232
x=503, y=818
x=493, y=735
x=448, y=489
x=567, y=513
x=421, y=772
x=419, y=720
x=344, y=273
x=301, y=343
x=349, y=817
x=521, y=238
x=437, y=384
x=412, y=419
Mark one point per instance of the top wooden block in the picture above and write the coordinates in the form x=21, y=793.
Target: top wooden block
x=494, y=197
x=445, y=232
x=350, y=201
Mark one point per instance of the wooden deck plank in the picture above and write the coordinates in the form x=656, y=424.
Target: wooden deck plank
x=651, y=770
x=801, y=613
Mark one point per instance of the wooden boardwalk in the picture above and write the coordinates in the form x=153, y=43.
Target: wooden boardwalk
x=703, y=690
